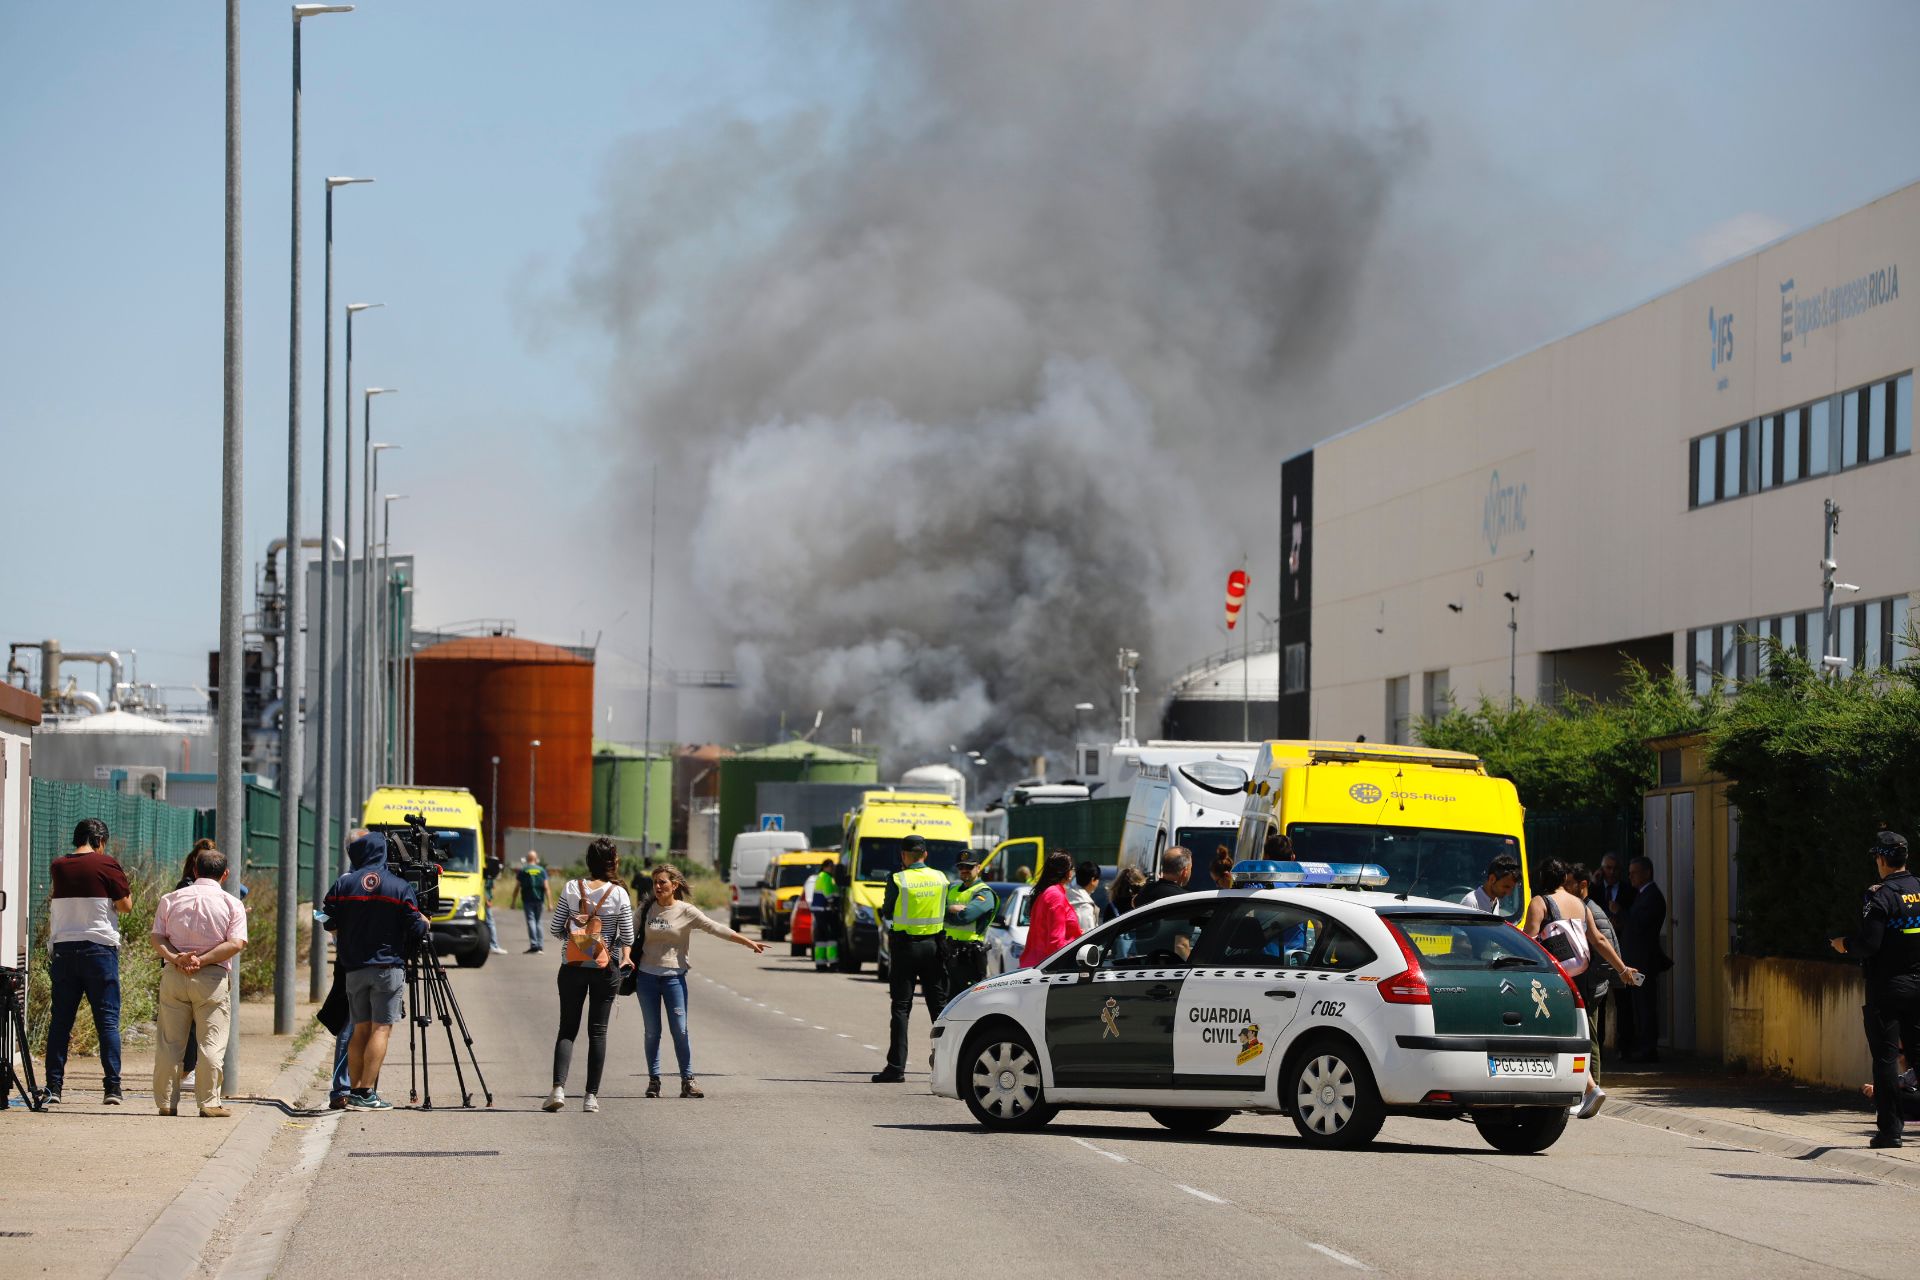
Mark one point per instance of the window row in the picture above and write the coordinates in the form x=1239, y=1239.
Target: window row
x=1859, y=426
x=1436, y=699
x=1870, y=636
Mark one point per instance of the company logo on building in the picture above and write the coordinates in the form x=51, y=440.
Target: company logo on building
x=1805, y=313
x=1504, y=512
x=1364, y=792
x=1720, y=331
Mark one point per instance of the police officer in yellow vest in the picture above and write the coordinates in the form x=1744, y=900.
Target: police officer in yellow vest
x=970, y=904
x=914, y=909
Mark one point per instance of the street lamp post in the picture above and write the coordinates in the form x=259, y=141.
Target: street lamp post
x=1513, y=646
x=292, y=651
x=533, y=783
x=349, y=710
x=230, y=821
x=369, y=482
x=389, y=649
x=324, y=805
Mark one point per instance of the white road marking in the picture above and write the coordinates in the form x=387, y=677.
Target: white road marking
x=1337, y=1256
x=843, y=1035
x=818, y=1027
x=1117, y=1159
x=801, y=1021
x=758, y=1004
x=874, y=1047
x=1207, y=1196
x=781, y=1012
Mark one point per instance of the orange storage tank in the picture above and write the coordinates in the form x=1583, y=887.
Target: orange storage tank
x=478, y=697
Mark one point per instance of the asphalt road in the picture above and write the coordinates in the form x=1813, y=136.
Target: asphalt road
x=795, y=1165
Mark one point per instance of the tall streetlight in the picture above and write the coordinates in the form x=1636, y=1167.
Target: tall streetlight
x=389, y=649
x=1513, y=646
x=533, y=782
x=370, y=482
x=493, y=813
x=325, y=806
x=230, y=821
x=349, y=757
x=293, y=650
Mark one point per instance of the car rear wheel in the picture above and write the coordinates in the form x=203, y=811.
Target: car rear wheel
x=1523, y=1130
x=1183, y=1120
x=1000, y=1079
x=1331, y=1095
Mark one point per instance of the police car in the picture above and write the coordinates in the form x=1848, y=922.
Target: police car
x=1306, y=993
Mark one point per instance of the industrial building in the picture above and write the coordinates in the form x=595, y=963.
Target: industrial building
x=1651, y=487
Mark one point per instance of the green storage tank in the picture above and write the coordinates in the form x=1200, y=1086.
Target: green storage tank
x=622, y=777
x=783, y=762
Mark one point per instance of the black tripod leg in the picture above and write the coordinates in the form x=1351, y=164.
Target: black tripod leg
x=13, y=1039
x=413, y=1074
x=466, y=1037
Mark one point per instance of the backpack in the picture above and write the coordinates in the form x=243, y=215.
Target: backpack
x=585, y=945
x=1563, y=942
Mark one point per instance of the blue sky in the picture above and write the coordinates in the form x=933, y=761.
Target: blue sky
x=1577, y=161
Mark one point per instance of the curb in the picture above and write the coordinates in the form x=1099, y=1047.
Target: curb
x=1848, y=1159
x=172, y=1245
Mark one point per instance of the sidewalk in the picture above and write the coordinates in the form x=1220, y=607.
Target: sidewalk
x=85, y=1180
x=1765, y=1113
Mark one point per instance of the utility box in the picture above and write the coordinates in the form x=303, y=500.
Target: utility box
x=19, y=713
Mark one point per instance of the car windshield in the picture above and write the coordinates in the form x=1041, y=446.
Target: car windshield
x=793, y=875
x=880, y=856
x=1465, y=942
x=1204, y=842
x=1424, y=862
x=455, y=848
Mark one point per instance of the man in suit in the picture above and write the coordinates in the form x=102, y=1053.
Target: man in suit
x=1610, y=893
x=1640, y=925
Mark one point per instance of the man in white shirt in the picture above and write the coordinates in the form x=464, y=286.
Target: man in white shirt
x=1503, y=873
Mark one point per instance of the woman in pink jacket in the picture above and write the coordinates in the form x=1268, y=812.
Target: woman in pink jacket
x=1052, y=924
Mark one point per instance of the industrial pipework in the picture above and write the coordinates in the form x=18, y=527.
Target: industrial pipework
x=55, y=698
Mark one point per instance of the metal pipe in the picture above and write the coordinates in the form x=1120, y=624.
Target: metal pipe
x=52, y=653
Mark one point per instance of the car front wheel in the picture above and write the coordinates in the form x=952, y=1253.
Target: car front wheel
x=1000, y=1079
x=1331, y=1095
x=1523, y=1130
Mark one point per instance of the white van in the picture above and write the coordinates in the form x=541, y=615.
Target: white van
x=753, y=855
x=1190, y=796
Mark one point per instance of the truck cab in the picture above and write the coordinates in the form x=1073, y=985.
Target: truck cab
x=1433, y=819
x=459, y=918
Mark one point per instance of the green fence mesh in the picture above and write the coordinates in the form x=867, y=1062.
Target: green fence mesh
x=152, y=839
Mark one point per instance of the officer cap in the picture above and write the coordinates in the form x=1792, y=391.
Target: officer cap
x=1890, y=845
x=914, y=842
x=968, y=859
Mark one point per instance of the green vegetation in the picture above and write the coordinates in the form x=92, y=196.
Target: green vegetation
x=1816, y=766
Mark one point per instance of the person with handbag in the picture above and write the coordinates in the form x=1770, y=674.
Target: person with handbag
x=666, y=932
x=1561, y=921
x=593, y=918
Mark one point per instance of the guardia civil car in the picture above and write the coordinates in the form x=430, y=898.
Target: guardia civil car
x=1308, y=993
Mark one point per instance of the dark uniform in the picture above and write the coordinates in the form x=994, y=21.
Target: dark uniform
x=913, y=909
x=1888, y=941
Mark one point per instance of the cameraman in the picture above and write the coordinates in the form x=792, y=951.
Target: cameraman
x=376, y=921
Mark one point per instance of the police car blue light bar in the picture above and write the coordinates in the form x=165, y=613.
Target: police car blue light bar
x=1257, y=872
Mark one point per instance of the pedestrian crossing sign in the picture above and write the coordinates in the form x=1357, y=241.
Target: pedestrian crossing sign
x=773, y=822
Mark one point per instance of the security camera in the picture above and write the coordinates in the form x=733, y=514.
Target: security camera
x=1511, y=598
x=1844, y=586
x=1833, y=661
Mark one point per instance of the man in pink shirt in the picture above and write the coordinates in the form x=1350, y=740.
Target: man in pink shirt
x=198, y=931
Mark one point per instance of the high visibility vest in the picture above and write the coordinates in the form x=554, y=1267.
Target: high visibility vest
x=919, y=908
x=960, y=894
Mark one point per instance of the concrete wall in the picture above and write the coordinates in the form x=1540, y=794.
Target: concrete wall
x=1797, y=1017
x=1562, y=476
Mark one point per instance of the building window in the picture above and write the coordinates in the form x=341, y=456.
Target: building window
x=1296, y=663
x=1436, y=694
x=1875, y=423
x=1397, y=709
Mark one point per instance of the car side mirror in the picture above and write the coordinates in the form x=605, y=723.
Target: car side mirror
x=1087, y=959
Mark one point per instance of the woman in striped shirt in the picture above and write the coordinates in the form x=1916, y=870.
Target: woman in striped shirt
x=600, y=896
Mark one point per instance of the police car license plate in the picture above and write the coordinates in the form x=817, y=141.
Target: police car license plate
x=1530, y=1067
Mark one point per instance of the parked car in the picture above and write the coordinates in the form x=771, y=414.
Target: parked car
x=1007, y=934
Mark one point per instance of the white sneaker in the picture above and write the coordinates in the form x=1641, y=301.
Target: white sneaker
x=591, y=1104
x=555, y=1100
x=1590, y=1104
x=497, y=950
x=186, y=1081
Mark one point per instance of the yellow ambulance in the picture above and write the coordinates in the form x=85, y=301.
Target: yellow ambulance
x=453, y=818
x=1434, y=819
x=872, y=833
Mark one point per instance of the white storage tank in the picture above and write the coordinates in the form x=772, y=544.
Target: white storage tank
x=937, y=777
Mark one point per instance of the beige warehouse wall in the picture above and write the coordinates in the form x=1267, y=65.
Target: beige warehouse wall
x=1596, y=427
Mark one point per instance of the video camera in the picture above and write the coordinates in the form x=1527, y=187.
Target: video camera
x=414, y=860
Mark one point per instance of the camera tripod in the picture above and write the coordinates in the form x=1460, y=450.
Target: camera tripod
x=430, y=998
x=13, y=1040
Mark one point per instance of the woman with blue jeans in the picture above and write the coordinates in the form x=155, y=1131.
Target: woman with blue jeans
x=665, y=933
